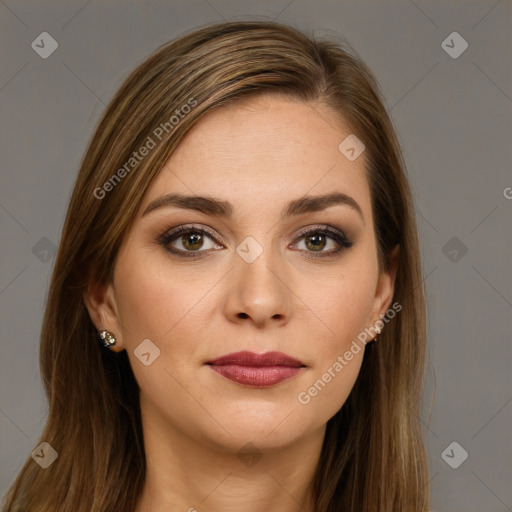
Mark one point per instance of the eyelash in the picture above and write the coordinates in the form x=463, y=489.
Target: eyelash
x=170, y=235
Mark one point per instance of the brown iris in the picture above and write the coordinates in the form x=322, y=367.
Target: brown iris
x=192, y=241
x=317, y=244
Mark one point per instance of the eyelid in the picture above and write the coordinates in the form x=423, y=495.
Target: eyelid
x=172, y=231
x=329, y=230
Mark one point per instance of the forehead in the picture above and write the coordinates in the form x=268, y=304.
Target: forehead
x=271, y=146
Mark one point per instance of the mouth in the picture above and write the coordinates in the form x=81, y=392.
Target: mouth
x=256, y=370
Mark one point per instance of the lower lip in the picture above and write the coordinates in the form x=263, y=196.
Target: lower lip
x=257, y=376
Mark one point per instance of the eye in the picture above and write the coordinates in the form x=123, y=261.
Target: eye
x=316, y=239
x=188, y=241
x=195, y=242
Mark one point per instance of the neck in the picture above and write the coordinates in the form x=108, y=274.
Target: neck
x=187, y=475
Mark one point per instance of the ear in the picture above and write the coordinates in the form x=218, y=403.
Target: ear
x=100, y=301
x=385, y=286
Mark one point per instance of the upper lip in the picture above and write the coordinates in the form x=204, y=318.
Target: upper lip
x=246, y=358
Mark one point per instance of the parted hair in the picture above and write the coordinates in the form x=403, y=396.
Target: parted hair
x=373, y=457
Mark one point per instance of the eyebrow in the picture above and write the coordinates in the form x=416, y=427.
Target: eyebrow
x=220, y=208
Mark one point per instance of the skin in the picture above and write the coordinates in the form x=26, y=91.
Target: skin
x=258, y=155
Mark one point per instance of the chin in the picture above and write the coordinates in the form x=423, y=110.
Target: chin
x=273, y=428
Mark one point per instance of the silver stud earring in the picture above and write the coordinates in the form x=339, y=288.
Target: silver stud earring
x=107, y=338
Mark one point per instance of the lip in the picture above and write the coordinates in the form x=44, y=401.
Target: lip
x=256, y=370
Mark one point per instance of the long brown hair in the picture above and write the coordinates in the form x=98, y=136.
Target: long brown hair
x=373, y=457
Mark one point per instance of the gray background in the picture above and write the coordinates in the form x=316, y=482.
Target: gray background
x=453, y=118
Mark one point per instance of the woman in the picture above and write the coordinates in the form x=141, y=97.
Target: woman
x=240, y=234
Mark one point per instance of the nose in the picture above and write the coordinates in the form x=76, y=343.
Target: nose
x=258, y=293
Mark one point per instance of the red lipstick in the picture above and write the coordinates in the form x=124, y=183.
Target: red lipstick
x=257, y=370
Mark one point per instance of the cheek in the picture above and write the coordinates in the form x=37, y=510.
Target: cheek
x=329, y=387
x=162, y=304
x=343, y=304
x=154, y=300
x=350, y=311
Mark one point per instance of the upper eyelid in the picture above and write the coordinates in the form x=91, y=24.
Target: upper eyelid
x=181, y=229
x=321, y=227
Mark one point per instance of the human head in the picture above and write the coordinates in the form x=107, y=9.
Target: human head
x=216, y=67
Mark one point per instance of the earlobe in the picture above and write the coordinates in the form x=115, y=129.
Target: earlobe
x=101, y=305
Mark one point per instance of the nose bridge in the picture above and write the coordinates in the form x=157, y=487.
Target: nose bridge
x=258, y=289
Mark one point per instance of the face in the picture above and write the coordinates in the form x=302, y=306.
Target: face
x=259, y=273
